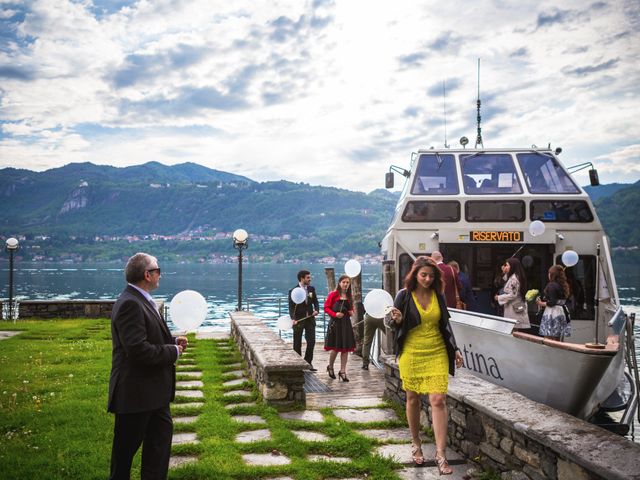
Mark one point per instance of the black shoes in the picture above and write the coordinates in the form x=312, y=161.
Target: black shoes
x=331, y=372
x=365, y=365
x=313, y=369
x=343, y=376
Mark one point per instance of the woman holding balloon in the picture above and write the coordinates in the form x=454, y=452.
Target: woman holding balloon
x=427, y=353
x=339, y=338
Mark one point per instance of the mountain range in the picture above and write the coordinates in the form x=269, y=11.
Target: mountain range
x=86, y=202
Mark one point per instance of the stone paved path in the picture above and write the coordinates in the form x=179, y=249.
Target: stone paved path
x=356, y=403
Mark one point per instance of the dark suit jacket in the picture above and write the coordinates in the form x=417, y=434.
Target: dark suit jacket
x=143, y=372
x=451, y=281
x=411, y=319
x=306, y=308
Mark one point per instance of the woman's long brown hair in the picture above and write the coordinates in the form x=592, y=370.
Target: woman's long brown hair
x=411, y=280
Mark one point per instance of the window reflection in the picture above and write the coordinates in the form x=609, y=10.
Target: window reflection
x=435, y=175
x=423, y=211
x=543, y=174
x=484, y=173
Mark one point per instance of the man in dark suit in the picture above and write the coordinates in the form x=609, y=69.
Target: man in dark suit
x=143, y=374
x=304, y=317
x=452, y=285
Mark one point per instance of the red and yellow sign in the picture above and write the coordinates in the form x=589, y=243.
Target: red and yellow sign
x=496, y=236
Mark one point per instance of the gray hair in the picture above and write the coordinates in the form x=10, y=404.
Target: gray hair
x=136, y=266
x=437, y=256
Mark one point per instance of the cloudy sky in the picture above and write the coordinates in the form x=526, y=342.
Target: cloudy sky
x=324, y=92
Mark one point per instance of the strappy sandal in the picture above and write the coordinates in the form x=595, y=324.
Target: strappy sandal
x=443, y=465
x=417, y=455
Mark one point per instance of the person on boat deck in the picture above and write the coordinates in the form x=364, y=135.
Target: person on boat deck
x=466, y=292
x=339, y=338
x=497, y=288
x=427, y=353
x=512, y=298
x=555, y=319
x=452, y=285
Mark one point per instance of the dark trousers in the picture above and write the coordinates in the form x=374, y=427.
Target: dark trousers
x=309, y=328
x=371, y=324
x=153, y=430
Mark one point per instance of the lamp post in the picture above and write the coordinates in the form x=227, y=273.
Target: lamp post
x=240, y=242
x=11, y=247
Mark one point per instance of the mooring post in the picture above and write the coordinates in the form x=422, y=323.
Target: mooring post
x=358, y=312
x=388, y=284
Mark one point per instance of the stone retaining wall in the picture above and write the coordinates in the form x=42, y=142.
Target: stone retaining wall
x=277, y=370
x=49, y=309
x=523, y=439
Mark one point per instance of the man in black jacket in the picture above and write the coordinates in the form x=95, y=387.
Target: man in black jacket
x=304, y=317
x=143, y=374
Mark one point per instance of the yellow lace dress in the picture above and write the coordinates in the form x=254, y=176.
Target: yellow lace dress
x=424, y=365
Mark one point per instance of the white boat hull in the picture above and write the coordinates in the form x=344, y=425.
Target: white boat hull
x=569, y=380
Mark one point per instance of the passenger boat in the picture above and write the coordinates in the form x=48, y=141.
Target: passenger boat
x=476, y=207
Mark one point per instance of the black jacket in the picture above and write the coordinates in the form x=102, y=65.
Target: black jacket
x=306, y=308
x=411, y=319
x=143, y=372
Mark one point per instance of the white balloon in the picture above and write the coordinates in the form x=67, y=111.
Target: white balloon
x=378, y=302
x=285, y=322
x=298, y=295
x=188, y=310
x=352, y=268
x=537, y=228
x=570, y=258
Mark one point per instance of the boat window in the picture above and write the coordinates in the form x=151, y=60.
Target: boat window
x=435, y=175
x=582, y=280
x=561, y=211
x=543, y=174
x=484, y=173
x=423, y=211
x=494, y=211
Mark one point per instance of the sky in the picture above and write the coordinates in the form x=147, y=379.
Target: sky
x=322, y=92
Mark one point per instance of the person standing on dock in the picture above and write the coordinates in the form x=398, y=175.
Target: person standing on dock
x=143, y=374
x=304, y=317
x=339, y=338
x=427, y=353
x=450, y=280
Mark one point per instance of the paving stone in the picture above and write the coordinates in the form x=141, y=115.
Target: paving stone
x=189, y=419
x=213, y=335
x=190, y=383
x=241, y=393
x=183, y=438
x=327, y=458
x=235, y=373
x=253, y=436
x=390, y=435
x=265, y=459
x=365, y=415
x=189, y=393
x=242, y=404
x=188, y=362
x=310, y=436
x=249, y=419
x=190, y=374
x=4, y=334
x=188, y=405
x=431, y=473
x=305, y=416
x=179, y=460
x=401, y=453
x=234, y=383
x=188, y=368
x=232, y=366
x=278, y=478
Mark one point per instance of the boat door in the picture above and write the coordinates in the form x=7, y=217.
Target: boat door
x=482, y=262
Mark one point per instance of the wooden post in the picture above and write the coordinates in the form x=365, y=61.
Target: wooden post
x=331, y=278
x=358, y=312
x=388, y=284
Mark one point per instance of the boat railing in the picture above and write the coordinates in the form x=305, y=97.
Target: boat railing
x=632, y=366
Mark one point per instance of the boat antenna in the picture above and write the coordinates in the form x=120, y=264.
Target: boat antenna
x=444, y=109
x=478, y=103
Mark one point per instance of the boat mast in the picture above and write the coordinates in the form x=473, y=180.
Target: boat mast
x=444, y=110
x=479, y=137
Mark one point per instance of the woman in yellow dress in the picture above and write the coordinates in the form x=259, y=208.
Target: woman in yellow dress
x=427, y=353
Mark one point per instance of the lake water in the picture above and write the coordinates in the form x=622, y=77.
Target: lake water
x=265, y=286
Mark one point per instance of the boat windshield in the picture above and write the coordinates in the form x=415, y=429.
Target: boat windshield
x=543, y=174
x=435, y=175
x=489, y=173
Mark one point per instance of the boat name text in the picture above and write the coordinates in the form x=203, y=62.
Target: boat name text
x=480, y=363
x=496, y=236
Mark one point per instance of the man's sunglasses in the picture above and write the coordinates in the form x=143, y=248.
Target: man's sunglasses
x=155, y=270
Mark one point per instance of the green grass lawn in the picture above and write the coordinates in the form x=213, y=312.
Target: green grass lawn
x=54, y=425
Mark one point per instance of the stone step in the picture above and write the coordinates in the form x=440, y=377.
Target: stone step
x=180, y=460
x=253, y=436
x=184, y=438
x=189, y=383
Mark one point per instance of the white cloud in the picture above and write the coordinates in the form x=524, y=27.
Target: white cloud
x=329, y=96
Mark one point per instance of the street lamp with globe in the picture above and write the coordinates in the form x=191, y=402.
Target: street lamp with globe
x=240, y=242
x=12, y=245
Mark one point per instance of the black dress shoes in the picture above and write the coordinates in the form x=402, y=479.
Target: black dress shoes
x=313, y=369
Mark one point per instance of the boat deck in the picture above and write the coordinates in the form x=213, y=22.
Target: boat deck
x=611, y=348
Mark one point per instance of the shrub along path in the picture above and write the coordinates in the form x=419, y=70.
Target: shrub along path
x=54, y=424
